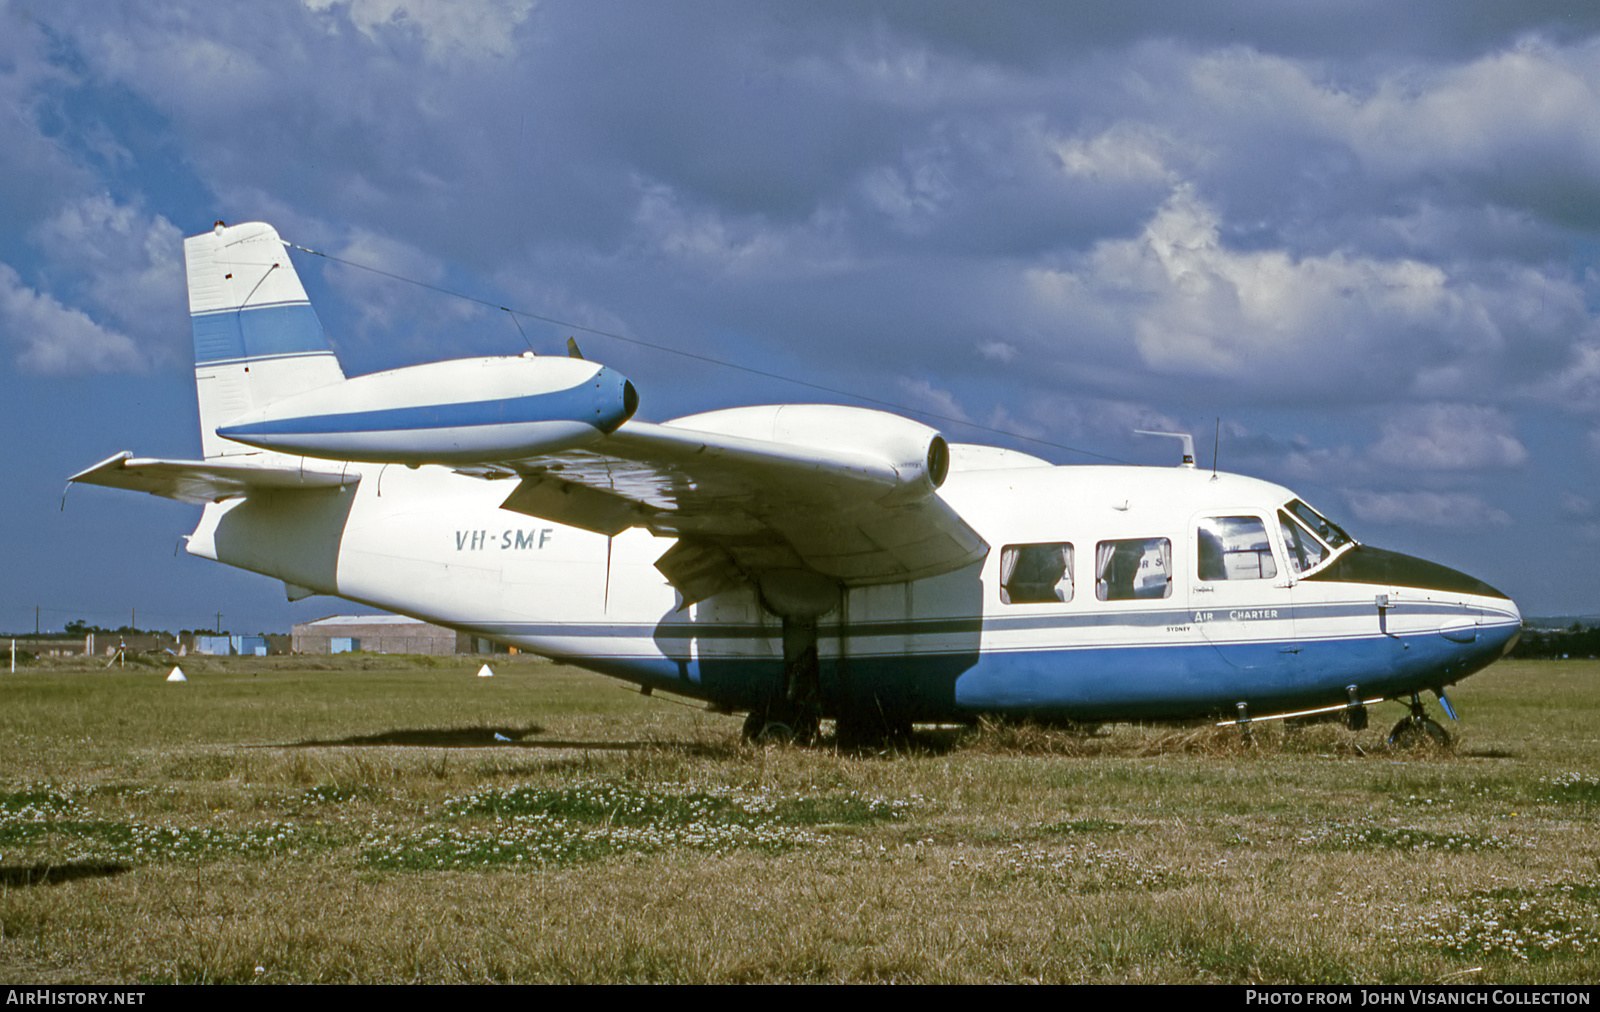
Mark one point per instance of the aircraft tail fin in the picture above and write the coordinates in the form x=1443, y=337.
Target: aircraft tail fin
x=256, y=337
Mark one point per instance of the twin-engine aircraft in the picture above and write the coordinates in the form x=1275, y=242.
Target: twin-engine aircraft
x=795, y=562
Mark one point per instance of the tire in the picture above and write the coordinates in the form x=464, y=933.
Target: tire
x=760, y=729
x=1417, y=732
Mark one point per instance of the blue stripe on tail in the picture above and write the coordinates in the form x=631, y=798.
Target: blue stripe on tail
x=234, y=335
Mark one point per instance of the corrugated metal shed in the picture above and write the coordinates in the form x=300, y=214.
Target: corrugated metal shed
x=378, y=634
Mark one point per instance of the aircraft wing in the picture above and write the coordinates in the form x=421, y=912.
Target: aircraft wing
x=860, y=509
x=199, y=481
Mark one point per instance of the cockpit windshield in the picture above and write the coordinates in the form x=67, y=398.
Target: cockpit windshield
x=1305, y=551
x=1331, y=533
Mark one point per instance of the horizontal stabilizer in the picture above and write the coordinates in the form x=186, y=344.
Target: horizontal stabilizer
x=199, y=481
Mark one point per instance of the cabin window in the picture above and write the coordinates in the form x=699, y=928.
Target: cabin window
x=1235, y=548
x=1134, y=569
x=1036, y=574
x=1331, y=533
x=1305, y=551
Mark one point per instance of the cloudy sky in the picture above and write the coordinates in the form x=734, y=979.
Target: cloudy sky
x=1358, y=238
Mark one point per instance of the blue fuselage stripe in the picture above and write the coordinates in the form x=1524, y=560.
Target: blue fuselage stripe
x=1083, y=682
x=935, y=627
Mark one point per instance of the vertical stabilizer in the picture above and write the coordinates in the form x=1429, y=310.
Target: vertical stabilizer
x=256, y=337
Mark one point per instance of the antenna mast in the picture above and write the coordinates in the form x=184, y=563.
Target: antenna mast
x=1188, y=443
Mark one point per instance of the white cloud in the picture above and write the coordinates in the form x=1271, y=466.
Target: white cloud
x=130, y=263
x=34, y=169
x=1533, y=97
x=1099, y=420
x=1577, y=384
x=1514, y=116
x=382, y=299
x=448, y=29
x=1194, y=306
x=59, y=340
x=200, y=74
x=914, y=194
x=1001, y=420
x=396, y=300
x=927, y=397
x=998, y=351
x=707, y=240
x=1127, y=152
x=1575, y=506
x=1312, y=463
x=1461, y=511
x=1449, y=437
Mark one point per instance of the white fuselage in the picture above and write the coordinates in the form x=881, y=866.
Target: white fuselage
x=1134, y=625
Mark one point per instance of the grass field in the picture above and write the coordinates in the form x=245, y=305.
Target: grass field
x=386, y=820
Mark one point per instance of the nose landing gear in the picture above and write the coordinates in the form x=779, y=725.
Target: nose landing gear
x=1418, y=728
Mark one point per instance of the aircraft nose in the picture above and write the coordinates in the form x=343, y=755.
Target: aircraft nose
x=1365, y=564
x=1483, y=629
x=1513, y=630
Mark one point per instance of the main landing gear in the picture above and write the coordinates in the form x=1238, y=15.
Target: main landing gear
x=794, y=714
x=1418, y=729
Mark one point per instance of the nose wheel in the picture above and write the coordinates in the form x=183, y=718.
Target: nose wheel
x=1418, y=729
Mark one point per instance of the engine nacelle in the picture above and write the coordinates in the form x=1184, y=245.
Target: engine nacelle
x=465, y=411
x=919, y=455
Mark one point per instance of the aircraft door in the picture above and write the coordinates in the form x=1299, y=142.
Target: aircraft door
x=1336, y=621
x=1241, y=598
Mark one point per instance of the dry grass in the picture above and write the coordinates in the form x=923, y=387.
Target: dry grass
x=361, y=822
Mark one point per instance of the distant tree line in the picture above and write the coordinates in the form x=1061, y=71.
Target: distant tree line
x=78, y=627
x=1576, y=641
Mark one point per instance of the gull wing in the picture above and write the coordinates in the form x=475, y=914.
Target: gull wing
x=199, y=481
x=853, y=511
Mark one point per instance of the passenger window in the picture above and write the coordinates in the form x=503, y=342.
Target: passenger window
x=1235, y=548
x=1305, y=551
x=1036, y=574
x=1134, y=569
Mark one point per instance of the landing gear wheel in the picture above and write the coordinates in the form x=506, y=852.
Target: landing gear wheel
x=1418, y=729
x=1414, y=732
x=761, y=728
x=774, y=732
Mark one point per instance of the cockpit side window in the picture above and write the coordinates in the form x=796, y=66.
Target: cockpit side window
x=1235, y=548
x=1133, y=569
x=1331, y=533
x=1305, y=551
x=1036, y=574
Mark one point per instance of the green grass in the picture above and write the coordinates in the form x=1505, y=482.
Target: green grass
x=358, y=820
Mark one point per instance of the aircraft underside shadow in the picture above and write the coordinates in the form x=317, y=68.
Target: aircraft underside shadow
x=499, y=737
x=19, y=876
